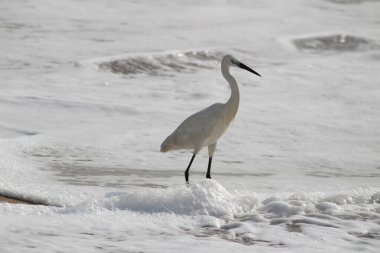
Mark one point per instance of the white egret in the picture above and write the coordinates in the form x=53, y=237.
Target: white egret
x=205, y=127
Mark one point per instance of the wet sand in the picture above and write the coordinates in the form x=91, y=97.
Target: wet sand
x=14, y=201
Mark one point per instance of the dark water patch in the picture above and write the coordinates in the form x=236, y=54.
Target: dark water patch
x=121, y=184
x=83, y=171
x=199, y=95
x=375, y=57
x=367, y=235
x=236, y=162
x=101, y=40
x=148, y=185
x=86, y=233
x=351, y=1
x=375, y=198
x=252, y=218
x=48, y=234
x=162, y=64
x=262, y=174
x=277, y=221
x=244, y=238
x=117, y=176
x=268, y=155
x=294, y=228
x=322, y=216
x=335, y=43
x=58, y=104
x=90, y=175
x=75, y=170
x=313, y=222
x=83, y=160
x=25, y=132
x=17, y=131
x=58, y=155
x=322, y=174
x=12, y=26
x=231, y=225
x=362, y=216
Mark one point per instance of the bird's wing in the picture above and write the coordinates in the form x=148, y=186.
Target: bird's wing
x=200, y=128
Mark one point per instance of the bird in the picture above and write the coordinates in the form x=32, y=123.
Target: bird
x=204, y=128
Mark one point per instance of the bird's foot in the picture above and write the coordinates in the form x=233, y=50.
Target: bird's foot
x=187, y=177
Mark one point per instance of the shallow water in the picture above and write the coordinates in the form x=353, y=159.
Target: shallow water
x=91, y=88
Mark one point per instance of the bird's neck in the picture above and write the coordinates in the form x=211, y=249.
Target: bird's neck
x=232, y=104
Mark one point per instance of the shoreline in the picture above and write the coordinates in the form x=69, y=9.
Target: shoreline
x=11, y=200
x=4, y=198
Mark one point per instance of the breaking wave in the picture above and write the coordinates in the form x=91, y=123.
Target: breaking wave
x=208, y=197
x=335, y=43
x=159, y=64
x=241, y=216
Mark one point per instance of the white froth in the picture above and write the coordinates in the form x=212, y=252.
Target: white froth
x=91, y=88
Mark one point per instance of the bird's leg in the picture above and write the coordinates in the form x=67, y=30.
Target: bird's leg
x=188, y=168
x=208, y=175
x=211, y=149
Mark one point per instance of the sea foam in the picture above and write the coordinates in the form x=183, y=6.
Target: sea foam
x=207, y=197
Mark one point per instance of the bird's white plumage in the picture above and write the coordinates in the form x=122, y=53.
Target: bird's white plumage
x=200, y=129
x=205, y=127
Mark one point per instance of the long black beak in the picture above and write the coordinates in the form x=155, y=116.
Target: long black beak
x=243, y=66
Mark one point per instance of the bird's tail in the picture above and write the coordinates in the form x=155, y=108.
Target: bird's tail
x=166, y=145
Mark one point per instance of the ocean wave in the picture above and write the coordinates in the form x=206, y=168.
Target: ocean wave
x=158, y=64
x=335, y=43
x=209, y=197
x=242, y=217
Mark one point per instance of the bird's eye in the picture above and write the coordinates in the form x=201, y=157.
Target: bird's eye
x=235, y=62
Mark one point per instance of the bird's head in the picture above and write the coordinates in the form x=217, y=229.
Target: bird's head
x=229, y=60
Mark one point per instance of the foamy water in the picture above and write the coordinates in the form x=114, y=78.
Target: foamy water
x=91, y=88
